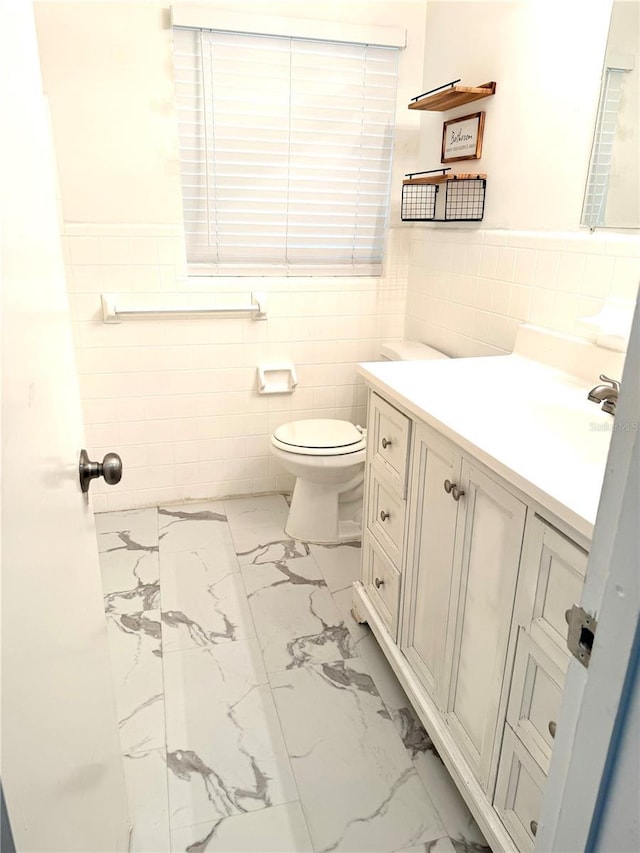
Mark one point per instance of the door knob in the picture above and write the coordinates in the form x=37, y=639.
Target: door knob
x=384, y=515
x=378, y=583
x=553, y=727
x=386, y=442
x=110, y=468
x=448, y=485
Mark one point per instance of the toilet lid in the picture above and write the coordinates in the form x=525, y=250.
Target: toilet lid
x=319, y=433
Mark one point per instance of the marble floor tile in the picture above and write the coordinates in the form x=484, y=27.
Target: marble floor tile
x=203, y=599
x=192, y=527
x=440, y=845
x=259, y=546
x=140, y=524
x=264, y=511
x=136, y=662
x=458, y=821
x=146, y=779
x=129, y=565
x=368, y=648
x=365, y=775
x=358, y=787
x=279, y=829
x=296, y=619
x=339, y=564
x=453, y=810
x=257, y=528
x=344, y=602
x=226, y=754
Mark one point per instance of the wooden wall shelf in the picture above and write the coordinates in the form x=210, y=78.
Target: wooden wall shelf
x=455, y=96
x=441, y=179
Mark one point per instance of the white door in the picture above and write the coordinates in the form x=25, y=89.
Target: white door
x=62, y=771
x=593, y=790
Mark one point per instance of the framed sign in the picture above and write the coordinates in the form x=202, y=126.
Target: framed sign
x=462, y=138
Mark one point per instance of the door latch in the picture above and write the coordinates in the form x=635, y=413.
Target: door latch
x=581, y=633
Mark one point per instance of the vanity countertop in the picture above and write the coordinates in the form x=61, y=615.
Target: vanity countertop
x=528, y=421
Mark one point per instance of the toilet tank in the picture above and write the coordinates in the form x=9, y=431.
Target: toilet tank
x=409, y=351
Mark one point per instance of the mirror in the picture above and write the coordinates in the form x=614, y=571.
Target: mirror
x=612, y=196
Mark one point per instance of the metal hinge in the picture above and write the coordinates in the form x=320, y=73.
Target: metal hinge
x=581, y=633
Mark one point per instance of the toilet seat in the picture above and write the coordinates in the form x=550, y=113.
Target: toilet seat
x=319, y=437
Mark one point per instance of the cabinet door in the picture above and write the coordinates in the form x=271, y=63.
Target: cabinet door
x=431, y=529
x=487, y=554
x=551, y=580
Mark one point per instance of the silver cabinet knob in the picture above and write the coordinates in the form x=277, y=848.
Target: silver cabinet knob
x=457, y=493
x=386, y=442
x=552, y=728
x=453, y=490
x=384, y=515
x=533, y=826
x=378, y=583
x=110, y=468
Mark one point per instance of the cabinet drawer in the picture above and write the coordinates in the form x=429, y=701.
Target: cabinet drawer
x=535, y=698
x=382, y=583
x=519, y=792
x=554, y=570
x=389, y=441
x=386, y=513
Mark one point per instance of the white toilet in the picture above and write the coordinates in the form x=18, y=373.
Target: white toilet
x=327, y=458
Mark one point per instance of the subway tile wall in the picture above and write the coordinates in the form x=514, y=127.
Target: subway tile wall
x=177, y=397
x=469, y=290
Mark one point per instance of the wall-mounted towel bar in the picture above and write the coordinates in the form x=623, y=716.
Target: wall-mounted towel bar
x=114, y=312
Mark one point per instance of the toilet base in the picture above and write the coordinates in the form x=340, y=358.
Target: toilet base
x=315, y=516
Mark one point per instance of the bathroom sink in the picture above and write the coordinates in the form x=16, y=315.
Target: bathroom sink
x=562, y=428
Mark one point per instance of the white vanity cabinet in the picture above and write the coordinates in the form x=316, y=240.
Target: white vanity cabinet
x=466, y=585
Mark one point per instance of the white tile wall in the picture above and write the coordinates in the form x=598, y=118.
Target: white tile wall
x=176, y=397
x=469, y=290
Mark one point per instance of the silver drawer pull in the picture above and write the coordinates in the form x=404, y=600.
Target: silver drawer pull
x=448, y=485
x=457, y=493
x=552, y=728
x=384, y=515
x=378, y=583
x=386, y=442
x=533, y=826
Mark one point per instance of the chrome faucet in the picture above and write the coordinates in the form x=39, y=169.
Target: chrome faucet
x=605, y=394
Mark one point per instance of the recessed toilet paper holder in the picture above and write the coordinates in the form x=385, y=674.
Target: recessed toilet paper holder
x=279, y=378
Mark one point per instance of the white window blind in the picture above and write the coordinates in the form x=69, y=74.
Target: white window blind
x=286, y=148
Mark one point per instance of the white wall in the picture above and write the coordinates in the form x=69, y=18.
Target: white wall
x=177, y=398
x=469, y=286
x=546, y=58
